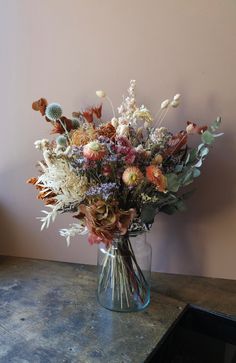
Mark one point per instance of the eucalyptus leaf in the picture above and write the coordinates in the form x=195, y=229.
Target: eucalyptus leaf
x=193, y=155
x=187, y=177
x=215, y=124
x=217, y=135
x=148, y=214
x=198, y=164
x=196, y=172
x=173, y=183
x=180, y=205
x=207, y=137
x=168, y=209
x=203, y=151
x=179, y=168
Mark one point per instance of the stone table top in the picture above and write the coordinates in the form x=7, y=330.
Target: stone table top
x=49, y=313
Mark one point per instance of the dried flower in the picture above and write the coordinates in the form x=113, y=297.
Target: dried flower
x=88, y=115
x=155, y=176
x=175, y=103
x=158, y=159
x=165, y=104
x=61, y=140
x=132, y=176
x=104, y=190
x=60, y=127
x=53, y=111
x=177, y=97
x=94, y=150
x=101, y=94
x=40, y=105
x=103, y=220
x=107, y=130
x=97, y=111
x=83, y=136
x=193, y=128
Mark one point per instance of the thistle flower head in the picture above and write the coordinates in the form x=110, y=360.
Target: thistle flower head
x=75, y=122
x=61, y=140
x=53, y=111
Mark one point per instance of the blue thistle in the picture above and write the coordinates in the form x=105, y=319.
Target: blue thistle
x=75, y=123
x=61, y=140
x=53, y=111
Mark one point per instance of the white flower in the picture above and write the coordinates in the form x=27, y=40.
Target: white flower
x=122, y=130
x=165, y=104
x=75, y=228
x=42, y=144
x=114, y=122
x=101, y=94
x=175, y=103
x=177, y=97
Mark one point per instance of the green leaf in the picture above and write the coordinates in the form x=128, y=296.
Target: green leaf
x=180, y=205
x=203, y=151
x=196, y=172
x=193, y=155
x=187, y=177
x=148, y=214
x=198, y=164
x=173, y=183
x=215, y=124
x=178, y=168
x=168, y=209
x=207, y=137
x=217, y=135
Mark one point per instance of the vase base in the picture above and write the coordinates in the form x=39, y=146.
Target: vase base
x=116, y=307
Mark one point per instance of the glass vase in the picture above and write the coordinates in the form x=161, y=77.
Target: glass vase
x=124, y=273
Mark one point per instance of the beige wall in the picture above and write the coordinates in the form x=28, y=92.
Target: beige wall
x=65, y=50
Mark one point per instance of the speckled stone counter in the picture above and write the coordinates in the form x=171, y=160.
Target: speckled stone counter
x=49, y=313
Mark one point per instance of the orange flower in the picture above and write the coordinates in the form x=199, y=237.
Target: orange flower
x=107, y=130
x=132, y=176
x=40, y=105
x=82, y=136
x=94, y=150
x=155, y=176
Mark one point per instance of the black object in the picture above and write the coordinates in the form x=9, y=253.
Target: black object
x=197, y=336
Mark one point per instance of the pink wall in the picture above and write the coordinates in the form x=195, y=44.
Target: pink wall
x=65, y=50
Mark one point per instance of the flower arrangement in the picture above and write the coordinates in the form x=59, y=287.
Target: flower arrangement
x=115, y=176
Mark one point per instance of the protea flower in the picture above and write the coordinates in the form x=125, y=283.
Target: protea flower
x=155, y=176
x=132, y=176
x=94, y=150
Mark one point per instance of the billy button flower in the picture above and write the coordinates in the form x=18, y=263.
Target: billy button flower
x=94, y=150
x=155, y=176
x=132, y=176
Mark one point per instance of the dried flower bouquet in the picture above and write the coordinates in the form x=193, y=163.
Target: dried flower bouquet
x=116, y=175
